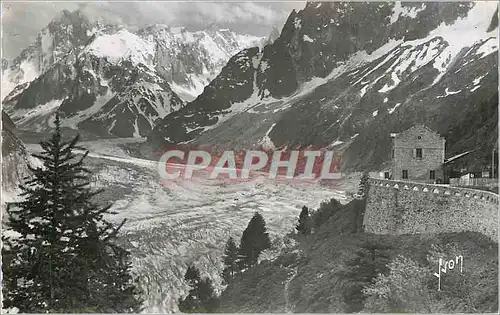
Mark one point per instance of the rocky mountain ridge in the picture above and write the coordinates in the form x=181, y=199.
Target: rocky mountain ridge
x=346, y=75
x=108, y=80
x=190, y=60
x=97, y=93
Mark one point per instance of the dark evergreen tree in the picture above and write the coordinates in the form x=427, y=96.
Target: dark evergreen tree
x=201, y=297
x=326, y=210
x=208, y=298
x=120, y=293
x=191, y=303
x=192, y=276
x=364, y=185
x=230, y=261
x=254, y=240
x=305, y=222
x=64, y=258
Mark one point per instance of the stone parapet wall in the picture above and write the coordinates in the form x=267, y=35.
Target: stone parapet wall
x=399, y=207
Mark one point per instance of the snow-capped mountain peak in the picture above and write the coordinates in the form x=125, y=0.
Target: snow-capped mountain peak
x=120, y=46
x=96, y=73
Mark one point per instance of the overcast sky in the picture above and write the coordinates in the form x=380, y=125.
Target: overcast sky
x=21, y=22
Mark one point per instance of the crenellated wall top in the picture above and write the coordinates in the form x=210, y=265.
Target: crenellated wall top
x=436, y=189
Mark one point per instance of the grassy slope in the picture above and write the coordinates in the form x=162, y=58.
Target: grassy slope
x=317, y=286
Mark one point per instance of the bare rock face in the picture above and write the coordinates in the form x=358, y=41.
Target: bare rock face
x=15, y=159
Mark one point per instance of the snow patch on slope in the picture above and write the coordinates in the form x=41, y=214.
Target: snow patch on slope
x=335, y=143
x=447, y=92
x=307, y=38
x=266, y=142
x=399, y=10
x=246, y=41
x=297, y=23
x=388, y=49
x=355, y=61
x=440, y=47
x=475, y=88
x=489, y=46
x=391, y=110
x=465, y=32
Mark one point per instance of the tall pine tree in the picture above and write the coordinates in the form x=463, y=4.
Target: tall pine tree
x=230, y=261
x=254, y=240
x=191, y=303
x=201, y=297
x=326, y=210
x=64, y=258
x=305, y=222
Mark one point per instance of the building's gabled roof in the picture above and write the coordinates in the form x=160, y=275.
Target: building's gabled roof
x=418, y=126
x=424, y=127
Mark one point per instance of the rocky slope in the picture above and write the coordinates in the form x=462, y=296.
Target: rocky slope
x=109, y=81
x=349, y=73
x=15, y=160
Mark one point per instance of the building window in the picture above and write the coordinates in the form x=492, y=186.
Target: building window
x=405, y=174
x=386, y=175
x=432, y=175
x=419, y=153
x=392, y=153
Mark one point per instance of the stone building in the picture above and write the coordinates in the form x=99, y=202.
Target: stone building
x=417, y=155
